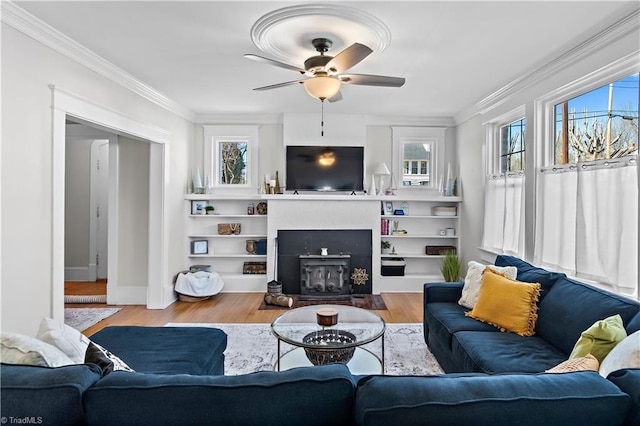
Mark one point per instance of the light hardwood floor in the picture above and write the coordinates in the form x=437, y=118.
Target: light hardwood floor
x=239, y=308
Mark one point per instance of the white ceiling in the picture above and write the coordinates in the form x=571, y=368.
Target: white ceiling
x=452, y=53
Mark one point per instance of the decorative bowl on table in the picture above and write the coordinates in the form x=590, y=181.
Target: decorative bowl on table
x=332, y=353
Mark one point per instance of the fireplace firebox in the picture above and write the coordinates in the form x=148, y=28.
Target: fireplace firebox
x=324, y=277
x=294, y=244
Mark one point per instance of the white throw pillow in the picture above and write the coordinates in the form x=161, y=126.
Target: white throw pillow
x=625, y=354
x=20, y=349
x=473, y=281
x=69, y=340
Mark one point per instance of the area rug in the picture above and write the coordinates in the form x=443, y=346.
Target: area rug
x=369, y=301
x=93, y=298
x=83, y=318
x=252, y=347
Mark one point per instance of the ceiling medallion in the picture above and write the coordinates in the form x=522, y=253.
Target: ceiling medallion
x=286, y=33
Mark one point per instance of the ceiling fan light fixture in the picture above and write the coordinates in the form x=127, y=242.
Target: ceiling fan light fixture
x=321, y=87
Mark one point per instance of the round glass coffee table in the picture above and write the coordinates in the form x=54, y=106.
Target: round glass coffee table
x=343, y=342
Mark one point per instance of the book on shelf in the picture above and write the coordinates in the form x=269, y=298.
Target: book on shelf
x=384, y=227
x=399, y=233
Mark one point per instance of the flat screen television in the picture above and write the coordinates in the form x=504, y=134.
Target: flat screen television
x=324, y=168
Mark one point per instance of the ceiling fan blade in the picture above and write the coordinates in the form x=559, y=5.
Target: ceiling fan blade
x=335, y=98
x=372, y=80
x=274, y=62
x=275, y=86
x=348, y=57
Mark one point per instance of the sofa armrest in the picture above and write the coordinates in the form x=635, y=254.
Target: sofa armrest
x=442, y=292
x=628, y=380
x=46, y=395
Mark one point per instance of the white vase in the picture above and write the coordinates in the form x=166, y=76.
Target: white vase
x=372, y=187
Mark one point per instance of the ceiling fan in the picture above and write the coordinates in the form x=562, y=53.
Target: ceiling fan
x=327, y=73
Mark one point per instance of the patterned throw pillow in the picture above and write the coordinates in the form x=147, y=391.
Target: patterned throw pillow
x=585, y=363
x=107, y=361
x=507, y=304
x=473, y=281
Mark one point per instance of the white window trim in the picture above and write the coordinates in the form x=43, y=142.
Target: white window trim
x=213, y=135
x=434, y=136
x=492, y=137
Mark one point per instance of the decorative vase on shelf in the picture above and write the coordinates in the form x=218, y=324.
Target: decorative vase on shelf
x=372, y=187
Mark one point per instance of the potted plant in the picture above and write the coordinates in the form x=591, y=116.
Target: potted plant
x=209, y=209
x=450, y=266
x=385, y=246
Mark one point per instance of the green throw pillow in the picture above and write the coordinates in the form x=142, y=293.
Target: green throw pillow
x=599, y=339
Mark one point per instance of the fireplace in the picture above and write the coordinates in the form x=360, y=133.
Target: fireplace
x=347, y=249
x=324, y=277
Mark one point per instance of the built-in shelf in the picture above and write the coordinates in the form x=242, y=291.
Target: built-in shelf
x=418, y=236
x=240, y=236
x=232, y=255
x=222, y=216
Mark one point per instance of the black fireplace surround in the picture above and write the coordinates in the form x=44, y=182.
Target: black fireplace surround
x=293, y=243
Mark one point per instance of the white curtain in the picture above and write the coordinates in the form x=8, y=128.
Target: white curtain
x=503, y=230
x=587, y=221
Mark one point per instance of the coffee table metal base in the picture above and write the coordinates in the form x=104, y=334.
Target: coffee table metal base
x=363, y=361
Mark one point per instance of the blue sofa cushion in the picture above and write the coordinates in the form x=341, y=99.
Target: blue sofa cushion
x=51, y=396
x=531, y=274
x=490, y=352
x=628, y=380
x=633, y=325
x=303, y=396
x=444, y=319
x=571, y=307
x=166, y=350
x=583, y=398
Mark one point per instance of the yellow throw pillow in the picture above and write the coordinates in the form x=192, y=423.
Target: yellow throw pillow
x=585, y=363
x=507, y=304
x=600, y=338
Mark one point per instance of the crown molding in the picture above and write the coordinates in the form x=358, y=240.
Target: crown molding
x=630, y=23
x=238, y=119
x=373, y=120
x=38, y=30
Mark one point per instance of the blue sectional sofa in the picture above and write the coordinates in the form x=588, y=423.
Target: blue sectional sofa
x=565, y=309
x=179, y=378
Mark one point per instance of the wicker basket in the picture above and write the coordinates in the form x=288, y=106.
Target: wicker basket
x=229, y=228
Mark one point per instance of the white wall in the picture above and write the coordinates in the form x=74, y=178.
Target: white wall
x=133, y=219
x=470, y=144
x=28, y=68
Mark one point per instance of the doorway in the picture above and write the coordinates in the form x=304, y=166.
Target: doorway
x=157, y=291
x=86, y=203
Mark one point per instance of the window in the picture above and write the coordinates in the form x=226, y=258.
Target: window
x=416, y=159
x=418, y=156
x=504, y=212
x=598, y=125
x=231, y=156
x=512, y=146
x=232, y=165
x=586, y=192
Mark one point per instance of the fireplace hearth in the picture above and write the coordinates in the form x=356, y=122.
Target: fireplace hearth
x=324, y=277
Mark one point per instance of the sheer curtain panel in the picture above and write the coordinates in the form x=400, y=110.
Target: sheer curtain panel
x=503, y=230
x=587, y=221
